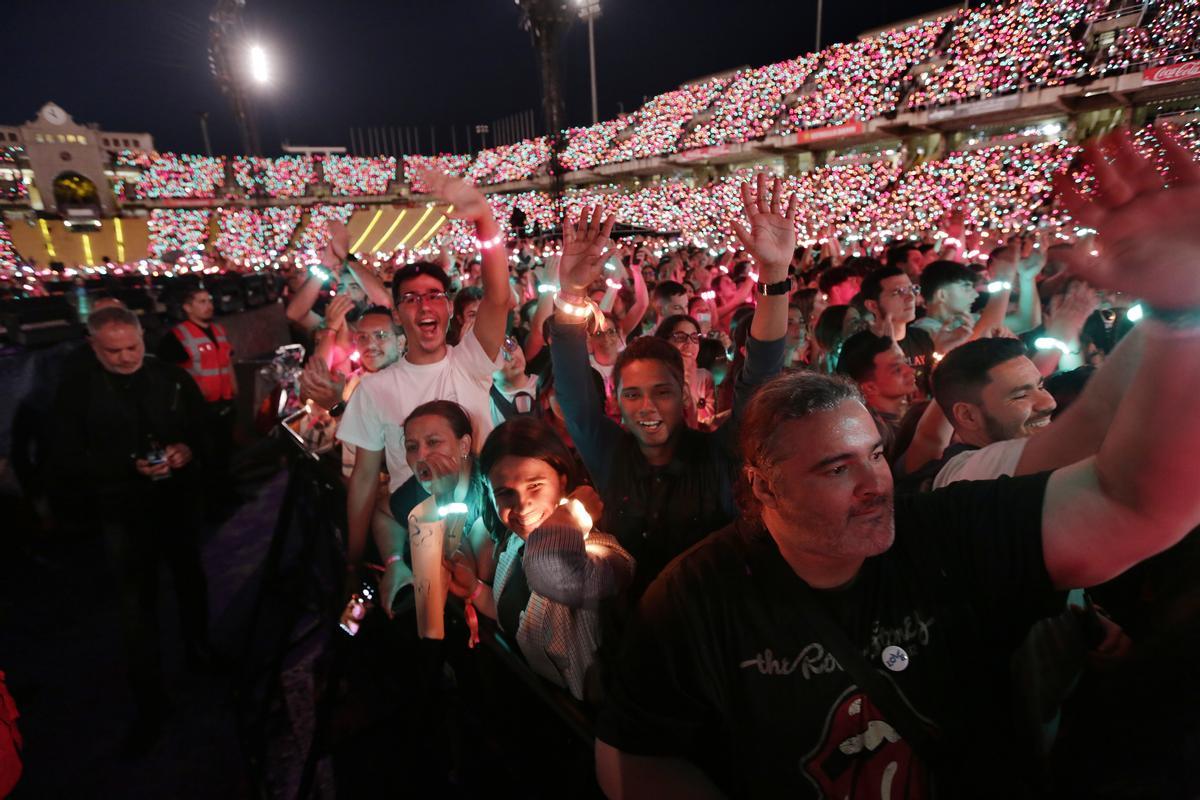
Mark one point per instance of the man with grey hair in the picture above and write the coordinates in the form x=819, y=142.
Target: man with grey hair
x=842, y=641
x=127, y=429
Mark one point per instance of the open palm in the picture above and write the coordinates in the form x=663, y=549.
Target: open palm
x=469, y=203
x=585, y=243
x=771, y=239
x=1149, y=243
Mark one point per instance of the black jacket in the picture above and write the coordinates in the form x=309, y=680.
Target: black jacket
x=103, y=422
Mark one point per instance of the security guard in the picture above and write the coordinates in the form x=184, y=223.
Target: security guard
x=201, y=347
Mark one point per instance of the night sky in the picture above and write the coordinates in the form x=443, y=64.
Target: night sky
x=348, y=63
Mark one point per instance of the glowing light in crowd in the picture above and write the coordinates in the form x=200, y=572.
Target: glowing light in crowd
x=1003, y=48
x=289, y=176
x=750, y=104
x=356, y=175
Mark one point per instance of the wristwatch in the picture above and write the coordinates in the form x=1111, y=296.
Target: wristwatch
x=337, y=408
x=773, y=289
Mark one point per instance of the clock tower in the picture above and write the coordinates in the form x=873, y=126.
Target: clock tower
x=68, y=161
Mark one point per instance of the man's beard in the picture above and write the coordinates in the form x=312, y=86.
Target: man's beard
x=998, y=432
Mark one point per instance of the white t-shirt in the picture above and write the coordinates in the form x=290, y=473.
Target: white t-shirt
x=984, y=464
x=374, y=418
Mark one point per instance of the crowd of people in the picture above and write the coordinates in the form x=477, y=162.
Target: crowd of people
x=1170, y=35
x=754, y=502
x=862, y=79
x=359, y=175
x=287, y=176
x=1002, y=48
x=781, y=516
x=750, y=104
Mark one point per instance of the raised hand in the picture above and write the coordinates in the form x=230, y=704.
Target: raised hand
x=318, y=384
x=1147, y=236
x=336, y=311
x=442, y=473
x=329, y=259
x=771, y=239
x=585, y=244
x=339, y=239
x=883, y=325
x=957, y=330
x=1033, y=259
x=469, y=203
x=1069, y=311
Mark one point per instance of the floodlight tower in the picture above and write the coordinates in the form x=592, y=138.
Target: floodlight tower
x=225, y=56
x=547, y=21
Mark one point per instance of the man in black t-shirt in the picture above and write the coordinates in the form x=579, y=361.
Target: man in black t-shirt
x=725, y=685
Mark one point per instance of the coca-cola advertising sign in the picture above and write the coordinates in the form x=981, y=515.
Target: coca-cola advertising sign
x=1172, y=73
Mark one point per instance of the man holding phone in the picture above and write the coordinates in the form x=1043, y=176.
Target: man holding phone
x=128, y=429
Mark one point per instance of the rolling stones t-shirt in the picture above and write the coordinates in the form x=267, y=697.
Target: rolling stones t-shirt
x=722, y=667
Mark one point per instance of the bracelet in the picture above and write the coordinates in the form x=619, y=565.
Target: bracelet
x=451, y=508
x=999, y=286
x=392, y=559
x=774, y=289
x=475, y=592
x=582, y=309
x=1050, y=343
x=488, y=244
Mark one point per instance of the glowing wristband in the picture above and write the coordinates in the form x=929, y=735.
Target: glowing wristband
x=582, y=517
x=581, y=310
x=392, y=559
x=319, y=273
x=610, y=283
x=1135, y=312
x=546, y=288
x=1050, y=343
x=938, y=357
x=999, y=286
x=753, y=275
x=950, y=241
x=452, y=508
x=708, y=295
x=488, y=244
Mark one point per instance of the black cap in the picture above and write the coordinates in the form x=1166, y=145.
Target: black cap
x=416, y=269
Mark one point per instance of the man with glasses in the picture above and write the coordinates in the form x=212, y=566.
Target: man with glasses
x=889, y=294
x=430, y=369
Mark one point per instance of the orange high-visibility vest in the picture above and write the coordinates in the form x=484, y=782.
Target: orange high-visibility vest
x=210, y=364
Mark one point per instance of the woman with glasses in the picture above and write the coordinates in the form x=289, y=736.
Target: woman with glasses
x=683, y=332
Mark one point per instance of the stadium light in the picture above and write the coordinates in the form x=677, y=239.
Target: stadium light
x=588, y=11
x=259, y=69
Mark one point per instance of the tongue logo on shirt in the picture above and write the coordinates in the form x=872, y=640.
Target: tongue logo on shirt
x=860, y=751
